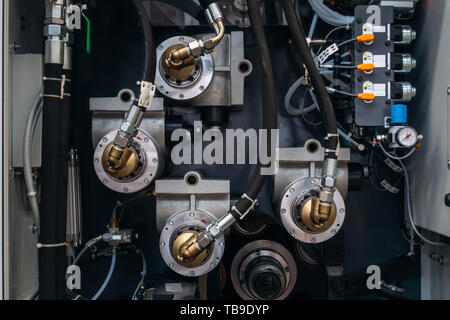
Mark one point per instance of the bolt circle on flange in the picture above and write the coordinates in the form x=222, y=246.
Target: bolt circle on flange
x=192, y=221
x=187, y=89
x=138, y=180
x=290, y=219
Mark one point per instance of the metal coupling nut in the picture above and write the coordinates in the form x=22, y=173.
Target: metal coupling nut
x=214, y=230
x=128, y=128
x=196, y=48
x=204, y=239
x=329, y=182
x=326, y=196
x=121, y=141
x=54, y=30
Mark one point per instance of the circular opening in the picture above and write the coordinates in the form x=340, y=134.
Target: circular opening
x=244, y=67
x=192, y=179
x=312, y=147
x=125, y=96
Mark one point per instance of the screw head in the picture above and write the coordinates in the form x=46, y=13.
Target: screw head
x=181, y=96
x=154, y=160
x=125, y=189
x=192, y=273
x=163, y=244
x=105, y=139
x=171, y=264
x=283, y=210
x=96, y=160
x=105, y=181
x=341, y=210
x=146, y=139
x=291, y=190
x=161, y=47
x=313, y=239
x=146, y=180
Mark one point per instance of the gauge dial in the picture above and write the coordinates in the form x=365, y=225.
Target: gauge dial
x=407, y=137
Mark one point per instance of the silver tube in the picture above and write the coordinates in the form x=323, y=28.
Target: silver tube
x=27, y=148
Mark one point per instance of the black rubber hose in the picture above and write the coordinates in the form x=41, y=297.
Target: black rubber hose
x=323, y=98
x=206, y=3
x=150, y=51
x=54, y=175
x=269, y=100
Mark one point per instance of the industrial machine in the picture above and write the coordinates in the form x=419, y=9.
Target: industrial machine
x=225, y=149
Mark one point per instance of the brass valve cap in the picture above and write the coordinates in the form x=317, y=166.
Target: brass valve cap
x=119, y=165
x=176, y=65
x=181, y=250
x=313, y=217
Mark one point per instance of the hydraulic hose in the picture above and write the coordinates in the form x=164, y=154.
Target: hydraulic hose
x=270, y=121
x=269, y=99
x=329, y=171
x=205, y=3
x=150, y=52
x=55, y=146
x=326, y=108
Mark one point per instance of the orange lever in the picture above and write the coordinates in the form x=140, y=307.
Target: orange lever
x=365, y=37
x=366, y=96
x=366, y=67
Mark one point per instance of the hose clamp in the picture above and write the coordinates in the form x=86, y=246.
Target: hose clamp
x=250, y=208
x=63, y=81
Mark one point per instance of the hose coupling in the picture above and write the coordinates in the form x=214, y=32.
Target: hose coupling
x=205, y=238
x=327, y=189
x=198, y=48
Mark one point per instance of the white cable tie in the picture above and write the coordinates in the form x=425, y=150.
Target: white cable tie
x=50, y=245
x=32, y=194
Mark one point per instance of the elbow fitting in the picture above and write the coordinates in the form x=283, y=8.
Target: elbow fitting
x=199, y=47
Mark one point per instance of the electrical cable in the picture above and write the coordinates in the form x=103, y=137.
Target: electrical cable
x=143, y=274
x=409, y=209
x=88, y=244
x=396, y=157
x=108, y=277
x=328, y=15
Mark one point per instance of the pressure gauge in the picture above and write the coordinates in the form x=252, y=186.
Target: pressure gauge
x=407, y=137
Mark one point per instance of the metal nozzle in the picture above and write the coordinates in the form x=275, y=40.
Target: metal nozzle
x=115, y=157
